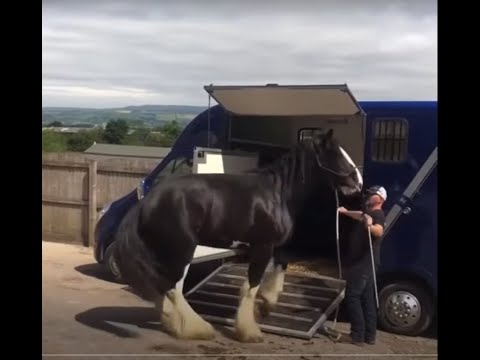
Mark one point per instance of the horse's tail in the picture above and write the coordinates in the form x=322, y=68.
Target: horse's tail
x=135, y=261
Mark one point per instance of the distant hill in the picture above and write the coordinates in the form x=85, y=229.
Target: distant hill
x=150, y=115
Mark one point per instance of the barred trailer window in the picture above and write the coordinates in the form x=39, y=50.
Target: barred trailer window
x=390, y=139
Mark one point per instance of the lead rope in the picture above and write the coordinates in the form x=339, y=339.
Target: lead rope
x=331, y=332
x=373, y=265
x=339, y=261
x=337, y=228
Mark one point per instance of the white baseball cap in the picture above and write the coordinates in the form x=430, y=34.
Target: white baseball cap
x=378, y=190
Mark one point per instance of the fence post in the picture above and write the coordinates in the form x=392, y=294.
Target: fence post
x=92, y=200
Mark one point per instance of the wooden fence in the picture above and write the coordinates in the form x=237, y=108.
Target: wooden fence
x=74, y=189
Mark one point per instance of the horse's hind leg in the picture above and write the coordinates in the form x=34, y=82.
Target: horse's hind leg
x=177, y=316
x=272, y=284
x=246, y=327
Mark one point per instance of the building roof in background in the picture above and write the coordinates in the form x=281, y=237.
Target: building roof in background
x=67, y=130
x=152, y=152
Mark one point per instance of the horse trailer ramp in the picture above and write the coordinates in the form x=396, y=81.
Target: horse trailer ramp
x=304, y=305
x=206, y=253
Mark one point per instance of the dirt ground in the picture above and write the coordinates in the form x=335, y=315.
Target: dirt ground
x=84, y=313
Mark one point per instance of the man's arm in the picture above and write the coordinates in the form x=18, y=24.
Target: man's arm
x=354, y=214
x=376, y=230
x=376, y=223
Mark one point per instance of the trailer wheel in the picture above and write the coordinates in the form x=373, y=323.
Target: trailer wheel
x=111, y=263
x=405, y=309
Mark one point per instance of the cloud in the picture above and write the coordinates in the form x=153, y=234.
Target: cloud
x=118, y=53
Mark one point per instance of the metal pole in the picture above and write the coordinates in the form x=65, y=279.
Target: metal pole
x=208, y=134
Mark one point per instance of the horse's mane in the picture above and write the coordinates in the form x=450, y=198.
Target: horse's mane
x=285, y=171
x=279, y=165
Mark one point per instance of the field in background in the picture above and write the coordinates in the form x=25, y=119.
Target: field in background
x=148, y=115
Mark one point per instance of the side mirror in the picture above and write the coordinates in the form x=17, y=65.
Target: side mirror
x=141, y=190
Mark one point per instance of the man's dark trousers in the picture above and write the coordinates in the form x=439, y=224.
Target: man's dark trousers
x=360, y=302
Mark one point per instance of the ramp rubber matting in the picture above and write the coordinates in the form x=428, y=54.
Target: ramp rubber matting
x=304, y=305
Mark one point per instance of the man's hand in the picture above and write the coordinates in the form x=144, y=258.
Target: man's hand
x=342, y=210
x=367, y=219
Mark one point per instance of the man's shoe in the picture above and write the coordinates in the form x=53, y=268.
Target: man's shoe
x=347, y=339
x=370, y=342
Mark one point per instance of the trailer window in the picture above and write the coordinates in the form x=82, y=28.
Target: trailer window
x=307, y=134
x=389, y=140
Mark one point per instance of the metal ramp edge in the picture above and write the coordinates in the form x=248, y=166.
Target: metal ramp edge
x=206, y=253
x=303, y=307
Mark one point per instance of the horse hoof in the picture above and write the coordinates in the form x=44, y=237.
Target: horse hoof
x=266, y=306
x=202, y=331
x=263, y=310
x=250, y=337
x=193, y=328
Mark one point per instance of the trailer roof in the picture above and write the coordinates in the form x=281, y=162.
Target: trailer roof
x=152, y=152
x=286, y=100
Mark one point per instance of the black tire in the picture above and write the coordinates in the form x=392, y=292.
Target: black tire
x=405, y=309
x=111, y=264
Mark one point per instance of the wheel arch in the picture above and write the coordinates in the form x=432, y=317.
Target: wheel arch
x=391, y=277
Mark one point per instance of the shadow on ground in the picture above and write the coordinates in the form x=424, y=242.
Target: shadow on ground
x=121, y=321
x=101, y=318
x=96, y=271
x=125, y=322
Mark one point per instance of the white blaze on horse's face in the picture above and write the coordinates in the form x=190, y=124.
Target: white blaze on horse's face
x=350, y=161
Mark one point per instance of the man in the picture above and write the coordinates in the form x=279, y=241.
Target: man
x=360, y=291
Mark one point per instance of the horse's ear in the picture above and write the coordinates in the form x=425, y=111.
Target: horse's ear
x=329, y=135
x=327, y=139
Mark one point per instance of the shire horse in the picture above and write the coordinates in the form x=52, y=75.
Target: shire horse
x=158, y=236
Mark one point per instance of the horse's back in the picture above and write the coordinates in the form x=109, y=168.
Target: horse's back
x=216, y=209
x=206, y=190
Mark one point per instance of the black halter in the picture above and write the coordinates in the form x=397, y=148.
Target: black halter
x=332, y=171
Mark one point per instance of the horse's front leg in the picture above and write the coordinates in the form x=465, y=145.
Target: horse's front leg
x=272, y=285
x=246, y=327
x=177, y=316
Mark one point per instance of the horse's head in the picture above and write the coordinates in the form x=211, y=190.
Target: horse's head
x=334, y=161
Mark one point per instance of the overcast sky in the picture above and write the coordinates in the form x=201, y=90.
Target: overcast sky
x=116, y=53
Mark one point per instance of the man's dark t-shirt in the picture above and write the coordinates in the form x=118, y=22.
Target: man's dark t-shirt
x=359, y=247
